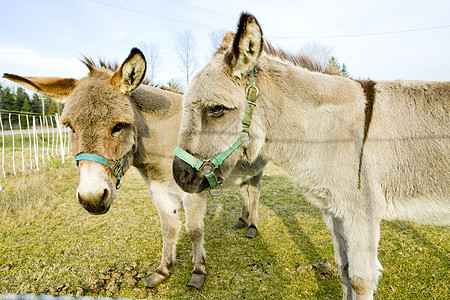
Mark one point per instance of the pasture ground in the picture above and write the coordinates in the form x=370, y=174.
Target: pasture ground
x=50, y=245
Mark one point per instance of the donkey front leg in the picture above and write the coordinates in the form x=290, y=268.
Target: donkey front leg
x=356, y=237
x=194, y=206
x=340, y=254
x=167, y=203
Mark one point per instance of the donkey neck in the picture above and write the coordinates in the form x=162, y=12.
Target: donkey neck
x=157, y=121
x=308, y=116
x=155, y=101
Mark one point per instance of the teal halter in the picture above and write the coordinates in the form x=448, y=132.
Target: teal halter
x=115, y=165
x=207, y=167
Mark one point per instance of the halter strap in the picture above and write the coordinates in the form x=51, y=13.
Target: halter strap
x=115, y=165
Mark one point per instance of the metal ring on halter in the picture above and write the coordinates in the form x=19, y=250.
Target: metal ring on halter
x=220, y=191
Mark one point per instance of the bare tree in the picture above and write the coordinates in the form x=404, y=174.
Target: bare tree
x=321, y=52
x=216, y=38
x=186, y=51
x=151, y=52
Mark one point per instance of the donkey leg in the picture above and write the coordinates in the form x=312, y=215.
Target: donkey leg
x=254, y=188
x=362, y=234
x=194, y=206
x=243, y=219
x=340, y=254
x=167, y=204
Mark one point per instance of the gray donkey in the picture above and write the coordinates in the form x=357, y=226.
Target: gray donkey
x=361, y=151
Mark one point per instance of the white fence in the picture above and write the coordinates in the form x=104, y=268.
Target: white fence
x=29, y=141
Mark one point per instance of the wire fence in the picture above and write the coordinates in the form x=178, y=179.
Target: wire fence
x=29, y=141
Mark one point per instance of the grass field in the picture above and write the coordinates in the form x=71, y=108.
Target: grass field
x=50, y=245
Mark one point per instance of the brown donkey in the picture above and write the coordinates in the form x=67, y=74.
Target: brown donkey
x=361, y=151
x=118, y=123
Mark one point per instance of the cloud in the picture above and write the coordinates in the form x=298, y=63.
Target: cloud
x=21, y=59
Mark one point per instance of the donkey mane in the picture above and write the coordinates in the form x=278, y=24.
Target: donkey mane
x=300, y=59
x=114, y=65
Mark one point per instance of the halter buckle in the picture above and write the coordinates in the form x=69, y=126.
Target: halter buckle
x=117, y=169
x=207, y=168
x=252, y=93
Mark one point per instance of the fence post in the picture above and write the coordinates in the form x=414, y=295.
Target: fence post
x=3, y=147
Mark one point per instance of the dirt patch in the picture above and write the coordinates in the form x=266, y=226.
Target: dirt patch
x=109, y=281
x=324, y=268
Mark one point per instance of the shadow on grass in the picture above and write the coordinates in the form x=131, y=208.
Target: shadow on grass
x=286, y=199
x=250, y=268
x=421, y=240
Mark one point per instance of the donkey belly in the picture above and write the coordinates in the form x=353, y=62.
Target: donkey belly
x=422, y=210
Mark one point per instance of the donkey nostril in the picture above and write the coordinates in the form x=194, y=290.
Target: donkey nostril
x=185, y=175
x=105, y=194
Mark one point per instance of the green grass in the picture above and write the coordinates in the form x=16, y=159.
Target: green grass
x=48, y=240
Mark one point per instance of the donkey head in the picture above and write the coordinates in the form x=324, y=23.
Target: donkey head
x=213, y=108
x=101, y=117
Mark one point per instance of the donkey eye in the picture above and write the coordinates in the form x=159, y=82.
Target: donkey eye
x=117, y=128
x=216, y=110
x=70, y=126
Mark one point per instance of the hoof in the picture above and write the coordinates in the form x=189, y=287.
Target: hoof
x=153, y=280
x=240, y=224
x=197, y=281
x=251, y=232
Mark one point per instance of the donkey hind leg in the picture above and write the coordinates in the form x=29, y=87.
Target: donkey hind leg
x=356, y=249
x=194, y=206
x=167, y=204
x=250, y=192
x=243, y=219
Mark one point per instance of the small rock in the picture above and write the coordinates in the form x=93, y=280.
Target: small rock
x=112, y=287
x=6, y=267
x=146, y=267
x=130, y=281
x=80, y=291
x=96, y=283
x=117, y=275
x=103, y=276
x=105, y=271
x=53, y=291
x=326, y=268
x=303, y=269
x=143, y=294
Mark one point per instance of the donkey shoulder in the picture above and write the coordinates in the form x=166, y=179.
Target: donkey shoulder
x=150, y=99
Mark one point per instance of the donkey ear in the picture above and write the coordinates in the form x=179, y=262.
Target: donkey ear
x=131, y=72
x=247, y=46
x=56, y=88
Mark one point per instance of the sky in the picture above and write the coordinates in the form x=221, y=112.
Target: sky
x=380, y=40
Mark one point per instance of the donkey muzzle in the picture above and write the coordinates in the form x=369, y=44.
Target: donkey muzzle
x=95, y=191
x=187, y=178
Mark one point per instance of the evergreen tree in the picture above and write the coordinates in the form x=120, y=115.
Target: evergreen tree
x=8, y=99
x=36, y=104
x=334, y=64
x=53, y=108
x=26, y=106
x=47, y=103
x=21, y=97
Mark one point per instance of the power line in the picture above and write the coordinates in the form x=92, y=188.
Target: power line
x=360, y=34
x=205, y=9
x=150, y=14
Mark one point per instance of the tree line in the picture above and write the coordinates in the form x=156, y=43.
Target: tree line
x=17, y=101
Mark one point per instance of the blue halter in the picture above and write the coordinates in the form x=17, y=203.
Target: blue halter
x=115, y=165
